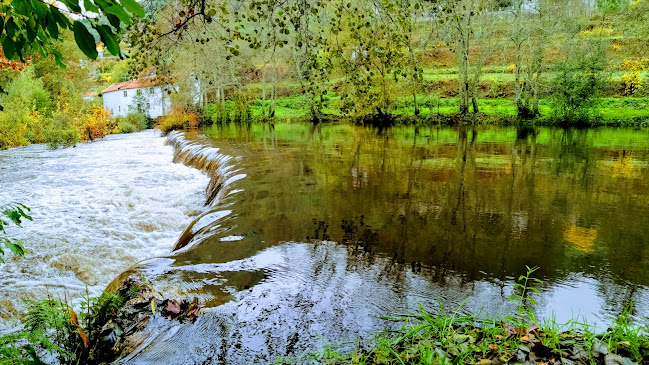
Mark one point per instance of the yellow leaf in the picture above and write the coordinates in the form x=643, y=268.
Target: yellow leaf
x=73, y=318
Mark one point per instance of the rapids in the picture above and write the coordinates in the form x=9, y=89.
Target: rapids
x=303, y=233
x=97, y=209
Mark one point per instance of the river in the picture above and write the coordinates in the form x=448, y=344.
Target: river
x=97, y=209
x=315, y=232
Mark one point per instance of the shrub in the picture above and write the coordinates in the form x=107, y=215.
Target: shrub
x=577, y=83
x=632, y=82
x=132, y=122
x=95, y=123
x=60, y=131
x=177, y=120
x=26, y=105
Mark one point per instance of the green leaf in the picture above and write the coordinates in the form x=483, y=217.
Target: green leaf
x=114, y=21
x=108, y=39
x=73, y=5
x=52, y=27
x=61, y=19
x=15, y=247
x=31, y=31
x=90, y=6
x=133, y=7
x=13, y=215
x=10, y=28
x=8, y=47
x=40, y=8
x=119, y=12
x=2, y=25
x=58, y=57
x=85, y=40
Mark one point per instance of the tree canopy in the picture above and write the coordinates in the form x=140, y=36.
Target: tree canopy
x=35, y=25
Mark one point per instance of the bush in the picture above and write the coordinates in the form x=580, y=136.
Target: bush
x=238, y=110
x=132, y=122
x=578, y=83
x=60, y=131
x=95, y=123
x=26, y=105
x=177, y=120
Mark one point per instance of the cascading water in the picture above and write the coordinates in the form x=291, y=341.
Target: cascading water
x=315, y=234
x=98, y=208
x=306, y=232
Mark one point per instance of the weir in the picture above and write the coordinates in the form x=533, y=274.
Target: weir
x=98, y=208
x=316, y=232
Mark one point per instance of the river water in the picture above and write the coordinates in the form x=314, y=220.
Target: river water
x=315, y=232
x=97, y=209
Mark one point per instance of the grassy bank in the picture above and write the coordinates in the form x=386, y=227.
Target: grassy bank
x=457, y=338
x=607, y=111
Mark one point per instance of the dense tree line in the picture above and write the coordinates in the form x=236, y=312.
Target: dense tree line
x=360, y=57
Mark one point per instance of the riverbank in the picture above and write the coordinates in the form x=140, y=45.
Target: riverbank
x=460, y=338
x=114, y=325
x=620, y=111
x=456, y=338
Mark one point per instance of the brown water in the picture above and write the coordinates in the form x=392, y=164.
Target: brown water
x=317, y=231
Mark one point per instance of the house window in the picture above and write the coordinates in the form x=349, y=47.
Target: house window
x=125, y=93
x=119, y=108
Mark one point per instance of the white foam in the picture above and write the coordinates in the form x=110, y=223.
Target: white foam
x=98, y=208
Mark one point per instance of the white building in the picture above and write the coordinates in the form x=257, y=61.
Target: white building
x=143, y=95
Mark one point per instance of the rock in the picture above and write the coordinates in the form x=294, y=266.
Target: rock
x=565, y=361
x=521, y=356
x=578, y=352
x=599, y=349
x=611, y=359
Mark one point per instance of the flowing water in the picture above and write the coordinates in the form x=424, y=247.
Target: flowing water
x=314, y=232
x=97, y=209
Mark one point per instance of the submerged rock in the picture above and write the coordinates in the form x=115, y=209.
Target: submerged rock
x=123, y=331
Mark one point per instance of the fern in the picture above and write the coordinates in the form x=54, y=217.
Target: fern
x=14, y=214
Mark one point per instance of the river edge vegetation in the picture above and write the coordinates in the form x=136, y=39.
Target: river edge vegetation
x=457, y=338
x=391, y=61
x=95, y=334
x=542, y=62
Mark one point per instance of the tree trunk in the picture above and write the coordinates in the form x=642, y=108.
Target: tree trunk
x=414, y=99
x=273, y=96
x=463, y=70
x=263, y=94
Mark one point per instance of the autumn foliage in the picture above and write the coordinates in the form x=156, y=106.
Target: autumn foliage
x=7, y=64
x=95, y=123
x=178, y=119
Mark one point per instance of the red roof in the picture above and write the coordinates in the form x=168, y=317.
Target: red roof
x=133, y=84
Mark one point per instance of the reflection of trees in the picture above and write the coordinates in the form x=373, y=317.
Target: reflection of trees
x=465, y=200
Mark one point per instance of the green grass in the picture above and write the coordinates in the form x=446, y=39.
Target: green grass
x=615, y=111
x=458, y=338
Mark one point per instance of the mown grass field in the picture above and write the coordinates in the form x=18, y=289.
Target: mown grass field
x=606, y=111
